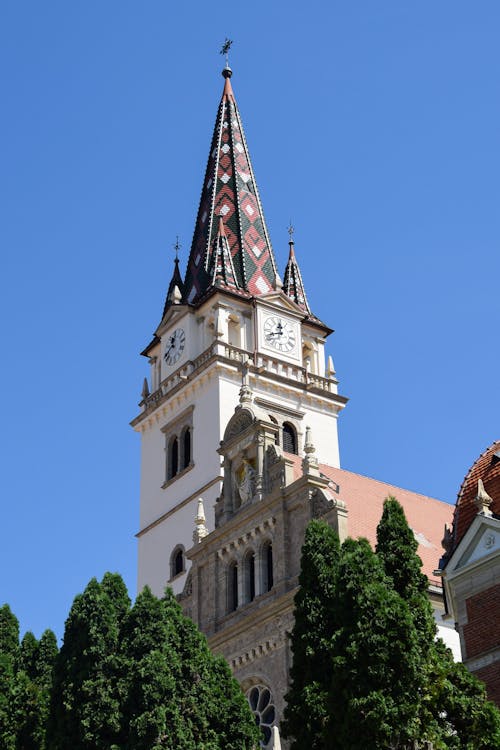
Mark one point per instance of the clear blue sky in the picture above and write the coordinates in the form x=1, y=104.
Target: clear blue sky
x=374, y=126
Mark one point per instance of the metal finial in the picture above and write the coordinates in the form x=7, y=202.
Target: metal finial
x=225, y=50
x=177, y=247
x=291, y=230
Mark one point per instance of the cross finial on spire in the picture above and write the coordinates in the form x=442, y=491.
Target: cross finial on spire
x=225, y=50
x=291, y=230
x=177, y=247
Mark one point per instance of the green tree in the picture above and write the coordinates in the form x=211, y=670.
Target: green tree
x=375, y=658
x=33, y=687
x=397, y=549
x=177, y=694
x=454, y=711
x=85, y=702
x=389, y=683
x=306, y=712
x=9, y=655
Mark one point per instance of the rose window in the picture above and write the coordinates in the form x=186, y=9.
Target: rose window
x=261, y=703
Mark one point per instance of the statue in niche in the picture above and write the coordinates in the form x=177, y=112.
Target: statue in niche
x=245, y=480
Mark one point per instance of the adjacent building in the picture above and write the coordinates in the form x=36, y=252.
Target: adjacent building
x=471, y=569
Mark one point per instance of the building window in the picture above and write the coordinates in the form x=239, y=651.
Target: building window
x=178, y=445
x=232, y=587
x=267, y=567
x=173, y=457
x=177, y=562
x=289, y=438
x=249, y=577
x=262, y=705
x=186, y=448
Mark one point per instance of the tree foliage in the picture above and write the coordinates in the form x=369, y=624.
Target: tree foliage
x=142, y=678
x=364, y=647
x=307, y=701
x=25, y=684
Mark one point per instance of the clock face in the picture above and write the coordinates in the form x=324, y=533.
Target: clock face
x=175, y=346
x=279, y=333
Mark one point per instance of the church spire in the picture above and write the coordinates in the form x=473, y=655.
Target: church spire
x=293, y=286
x=176, y=286
x=230, y=192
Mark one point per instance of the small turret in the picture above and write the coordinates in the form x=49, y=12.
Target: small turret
x=293, y=285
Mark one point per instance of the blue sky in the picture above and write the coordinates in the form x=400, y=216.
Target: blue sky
x=373, y=126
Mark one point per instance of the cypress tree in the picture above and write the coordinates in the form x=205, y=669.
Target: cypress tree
x=85, y=705
x=306, y=711
x=375, y=658
x=453, y=709
x=178, y=695
x=9, y=655
x=397, y=549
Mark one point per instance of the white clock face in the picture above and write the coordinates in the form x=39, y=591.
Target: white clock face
x=175, y=346
x=279, y=333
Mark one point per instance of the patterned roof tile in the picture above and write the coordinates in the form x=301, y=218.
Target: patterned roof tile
x=230, y=191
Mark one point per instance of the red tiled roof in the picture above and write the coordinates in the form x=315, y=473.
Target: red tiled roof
x=487, y=468
x=364, y=498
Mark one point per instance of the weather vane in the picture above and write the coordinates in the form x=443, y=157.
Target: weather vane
x=225, y=50
x=177, y=247
x=291, y=230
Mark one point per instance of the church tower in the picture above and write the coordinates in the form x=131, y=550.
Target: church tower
x=231, y=327
x=238, y=424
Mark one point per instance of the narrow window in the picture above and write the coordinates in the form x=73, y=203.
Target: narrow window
x=267, y=567
x=289, y=438
x=186, y=448
x=232, y=587
x=250, y=577
x=174, y=458
x=177, y=562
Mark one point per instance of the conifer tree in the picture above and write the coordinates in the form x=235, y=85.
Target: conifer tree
x=178, y=695
x=454, y=711
x=85, y=705
x=306, y=711
x=9, y=655
x=375, y=658
x=397, y=549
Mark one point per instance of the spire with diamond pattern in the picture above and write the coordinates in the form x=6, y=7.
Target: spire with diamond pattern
x=230, y=192
x=293, y=285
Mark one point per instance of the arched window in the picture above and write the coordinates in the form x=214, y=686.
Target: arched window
x=289, y=438
x=186, y=448
x=249, y=577
x=232, y=587
x=177, y=562
x=262, y=706
x=173, y=457
x=267, y=567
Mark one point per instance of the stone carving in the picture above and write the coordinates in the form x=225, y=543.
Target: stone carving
x=483, y=500
x=238, y=423
x=274, y=471
x=245, y=478
x=447, y=540
x=321, y=503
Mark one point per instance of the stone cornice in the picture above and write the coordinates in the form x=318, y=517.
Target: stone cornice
x=229, y=357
